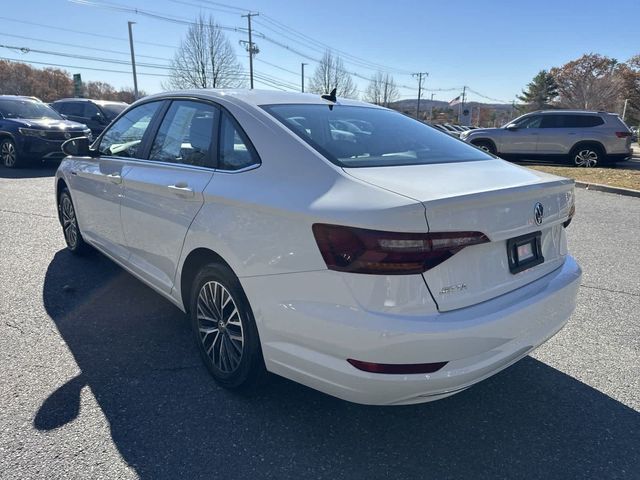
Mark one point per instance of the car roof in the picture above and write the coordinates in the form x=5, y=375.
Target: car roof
x=258, y=98
x=99, y=102
x=572, y=112
x=20, y=97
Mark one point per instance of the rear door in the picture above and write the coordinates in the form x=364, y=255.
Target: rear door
x=97, y=183
x=559, y=132
x=163, y=194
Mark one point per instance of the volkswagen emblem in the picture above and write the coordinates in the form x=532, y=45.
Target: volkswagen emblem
x=538, y=213
x=67, y=135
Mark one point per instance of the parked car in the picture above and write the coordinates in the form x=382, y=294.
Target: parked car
x=96, y=114
x=399, y=268
x=587, y=138
x=634, y=134
x=31, y=130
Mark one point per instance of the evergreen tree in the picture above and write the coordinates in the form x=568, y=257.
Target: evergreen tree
x=541, y=91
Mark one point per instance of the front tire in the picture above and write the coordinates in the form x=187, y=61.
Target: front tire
x=225, y=330
x=70, y=228
x=587, y=156
x=486, y=146
x=9, y=153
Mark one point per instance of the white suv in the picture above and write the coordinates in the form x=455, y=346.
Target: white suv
x=587, y=138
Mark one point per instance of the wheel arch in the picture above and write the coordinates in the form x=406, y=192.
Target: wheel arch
x=195, y=260
x=4, y=134
x=585, y=143
x=475, y=141
x=60, y=186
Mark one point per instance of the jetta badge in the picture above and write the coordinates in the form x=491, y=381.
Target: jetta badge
x=538, y=213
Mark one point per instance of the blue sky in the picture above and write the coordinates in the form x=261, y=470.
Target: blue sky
x=494, y=47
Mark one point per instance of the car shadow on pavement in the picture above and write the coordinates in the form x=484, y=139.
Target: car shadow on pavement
x=168, y=419
x=29, y=171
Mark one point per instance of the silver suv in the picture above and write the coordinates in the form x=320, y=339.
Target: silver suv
x=587, y=138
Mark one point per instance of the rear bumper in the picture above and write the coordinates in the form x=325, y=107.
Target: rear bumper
x=310, y=341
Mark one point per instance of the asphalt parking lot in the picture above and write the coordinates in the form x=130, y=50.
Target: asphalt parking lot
x=99, y=379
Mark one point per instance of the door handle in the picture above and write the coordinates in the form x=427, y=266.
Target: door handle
x=181, y=188
x=114, y=178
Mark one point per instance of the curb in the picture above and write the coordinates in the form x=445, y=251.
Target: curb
x=605, y=188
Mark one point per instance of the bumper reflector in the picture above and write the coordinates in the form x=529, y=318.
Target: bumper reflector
x=396, y=368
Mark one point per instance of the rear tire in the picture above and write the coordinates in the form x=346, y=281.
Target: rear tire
x=587, y=156
x=9, y=153
x=225, y=330
x=486, y=145
x=70, y=228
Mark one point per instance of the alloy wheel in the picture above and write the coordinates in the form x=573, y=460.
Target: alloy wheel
x=8, y=153
x=220, y=326
x=586, y=158
x=69, y=222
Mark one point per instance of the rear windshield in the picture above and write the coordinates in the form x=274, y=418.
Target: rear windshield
x=351, y=136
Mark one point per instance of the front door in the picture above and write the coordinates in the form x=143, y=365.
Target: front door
x=164, y=193
x=98, y=183
x=523, y=139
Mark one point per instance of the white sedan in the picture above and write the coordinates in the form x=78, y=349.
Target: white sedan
x=392, y=265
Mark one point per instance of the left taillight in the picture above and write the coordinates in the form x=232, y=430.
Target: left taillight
x=359, y=250
x=623, y=134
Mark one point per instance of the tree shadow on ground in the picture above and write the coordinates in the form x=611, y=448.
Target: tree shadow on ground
x=169, y=420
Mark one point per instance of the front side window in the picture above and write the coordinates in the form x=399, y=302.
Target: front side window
x=354, y=136
x=75, y=109
x=124, y=137
x=91, y=111
x=186, y=135
x=533, y=121
x=236, y=152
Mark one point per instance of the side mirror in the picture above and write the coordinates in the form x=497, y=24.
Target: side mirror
x=78, y=147
x=512, y=127
x=99, y=118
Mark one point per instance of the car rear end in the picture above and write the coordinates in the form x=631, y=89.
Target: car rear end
x=617, y=138
x=414, y=313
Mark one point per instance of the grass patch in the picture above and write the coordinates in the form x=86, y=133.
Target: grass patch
x=613, y=177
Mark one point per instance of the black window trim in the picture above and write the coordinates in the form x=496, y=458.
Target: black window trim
x=163, y=115
x=156, y=121
x=245, y=138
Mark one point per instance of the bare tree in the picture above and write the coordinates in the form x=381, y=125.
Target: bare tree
x=205, y=59
x=382, y=90
x=330, y=74
x=591, y=82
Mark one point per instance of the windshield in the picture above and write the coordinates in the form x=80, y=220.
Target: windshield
x=22, y=108
x=352, y=136
x=112, y=110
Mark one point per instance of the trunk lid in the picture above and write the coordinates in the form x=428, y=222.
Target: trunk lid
x=493, y=197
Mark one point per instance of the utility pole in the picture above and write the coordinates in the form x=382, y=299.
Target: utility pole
x=431, y=108
x=250, y=47
x=419, y=76
x=624, y=109
x=462, y=98
x=133, y=62
x=302, y=75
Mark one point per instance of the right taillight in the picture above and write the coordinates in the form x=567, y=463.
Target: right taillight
x=623, y=134
x=572, y=212
x=359, y=250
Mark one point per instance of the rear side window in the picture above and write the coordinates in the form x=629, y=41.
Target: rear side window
x=124, y=137
x=186, y=134
x=571, y=121
x=354, y=136
x=236, y=151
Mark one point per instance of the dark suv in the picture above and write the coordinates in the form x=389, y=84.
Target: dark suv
x=95, y=114
x=31, y=130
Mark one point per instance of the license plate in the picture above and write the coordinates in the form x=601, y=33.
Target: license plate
x=524, y=252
